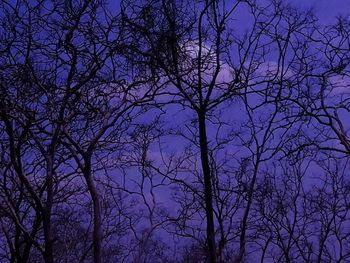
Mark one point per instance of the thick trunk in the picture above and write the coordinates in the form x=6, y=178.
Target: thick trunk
x=208, y=194
x=97, y=234
x=48, y=255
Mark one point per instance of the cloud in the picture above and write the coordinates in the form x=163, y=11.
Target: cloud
x=340, y=85
x=209, y=63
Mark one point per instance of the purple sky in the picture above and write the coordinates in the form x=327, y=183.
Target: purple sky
x=326, y=10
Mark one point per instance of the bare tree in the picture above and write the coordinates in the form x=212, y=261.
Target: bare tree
x=172, y=131
x=193, y=50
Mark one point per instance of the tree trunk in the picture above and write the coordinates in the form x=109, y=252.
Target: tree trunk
x=208, y=194
x=97, y=234
x=48, y=255
x=242, y=241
